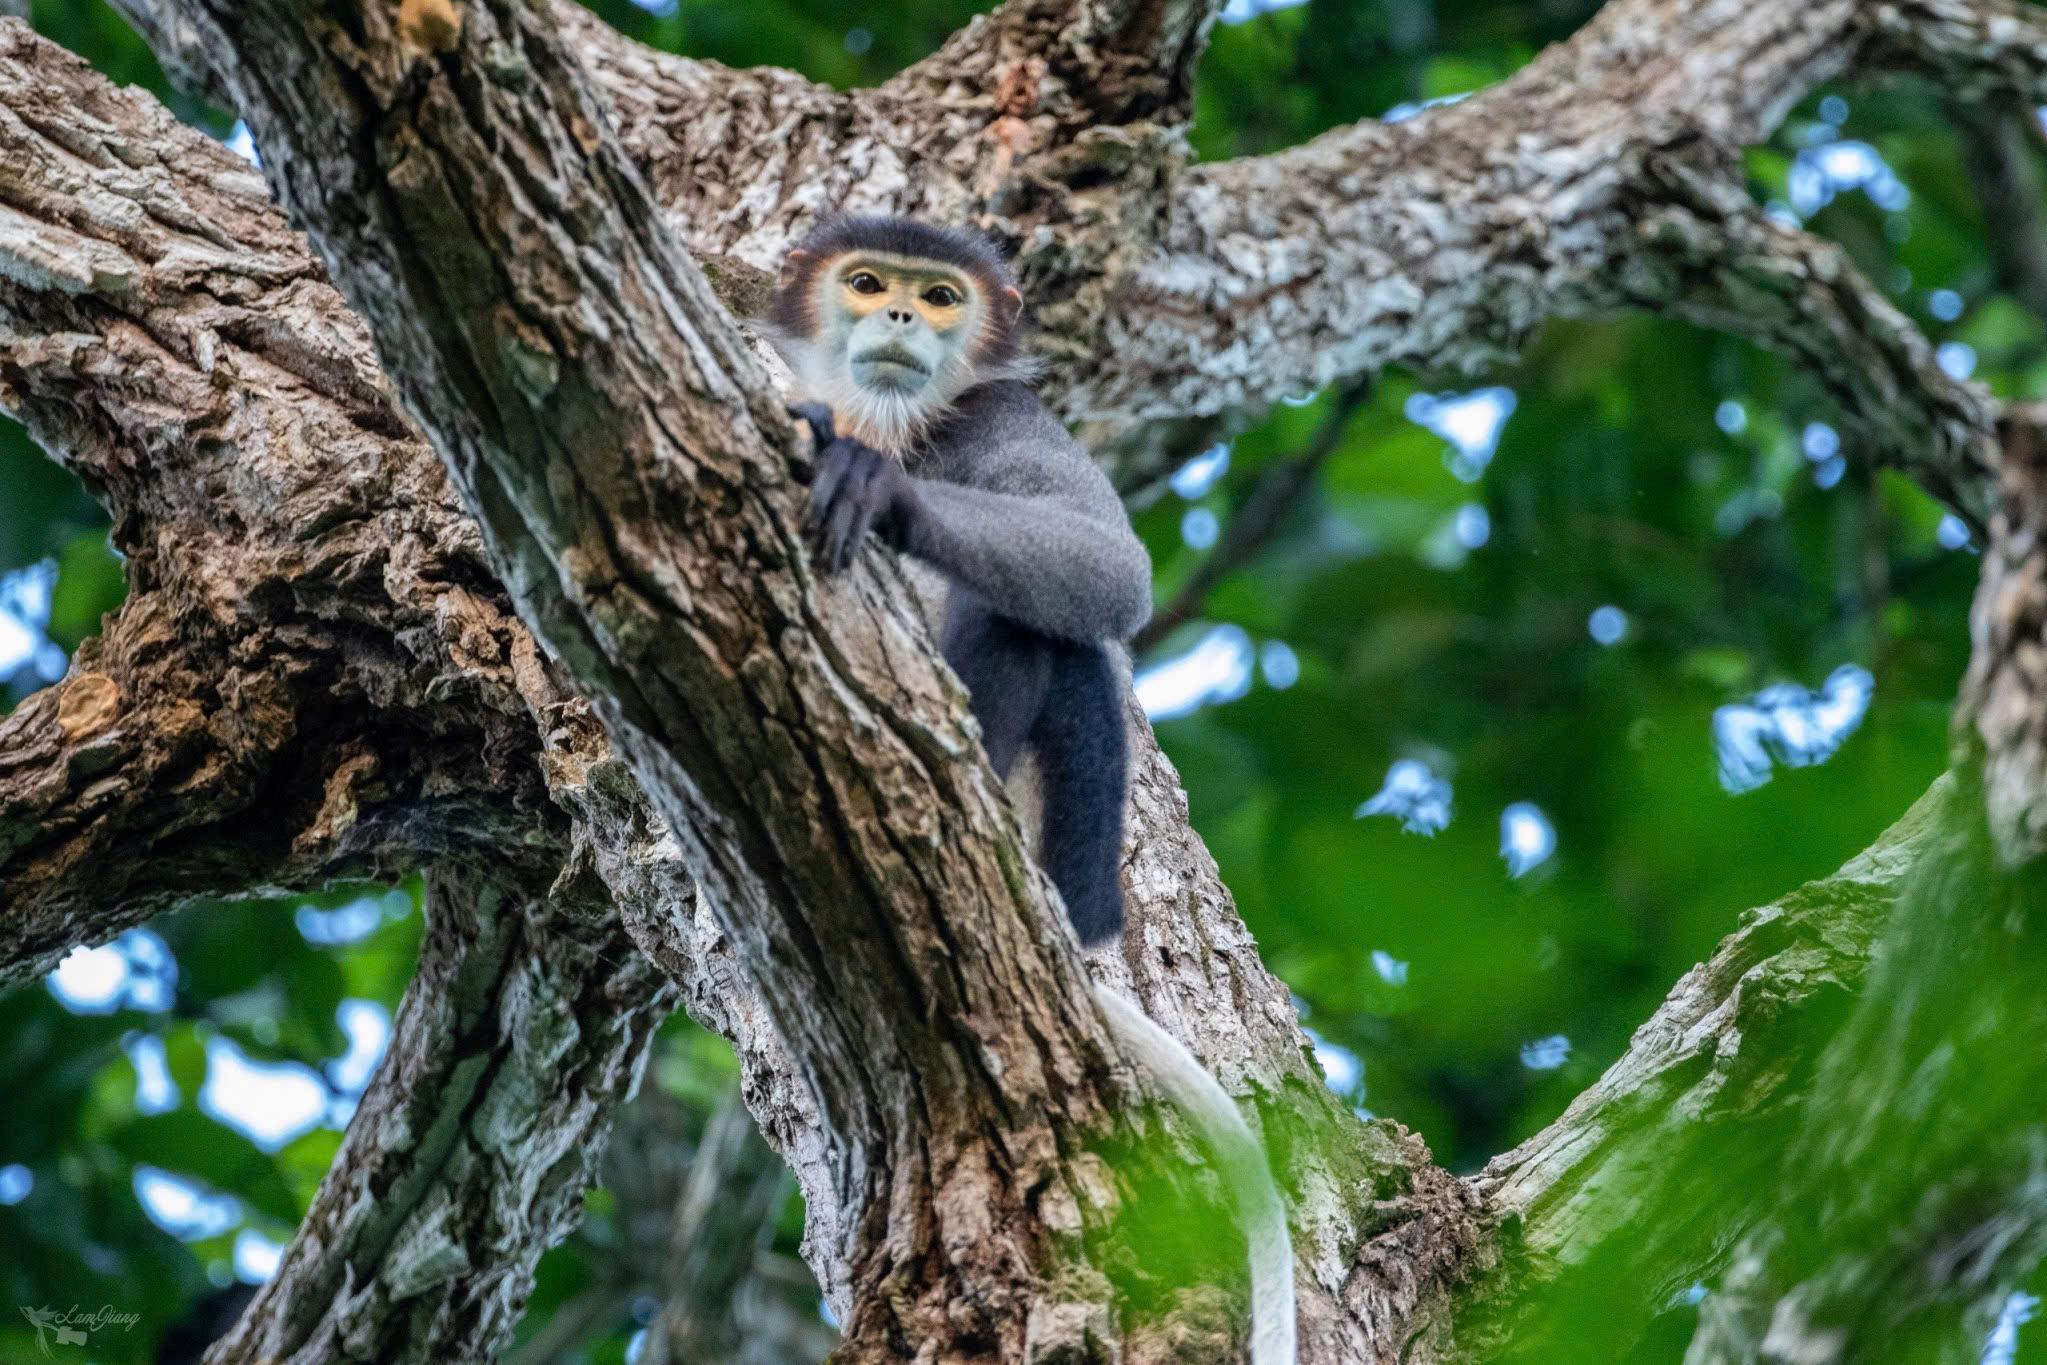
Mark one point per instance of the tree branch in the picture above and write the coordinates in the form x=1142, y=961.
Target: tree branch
x=1277, y=275
x=621, y=452
x=1279, y=491
x=2002, y=719
x=1048, y=72
x=1403, y=1230
x=1972, y=50
x=1913, y=1195
x=445, y=627
x=1629, y=1186
x=311, y=631
x=524, y=1028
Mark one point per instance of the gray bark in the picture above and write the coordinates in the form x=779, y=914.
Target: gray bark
x=524, y=1028
x=1915, y=1198
x=936, y=1074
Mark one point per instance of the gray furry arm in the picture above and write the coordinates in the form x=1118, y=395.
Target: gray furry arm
x=1011, y=508
x=1002, y=502
x=1057, y=567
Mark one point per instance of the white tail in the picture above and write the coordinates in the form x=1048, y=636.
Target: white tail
x=1241, y=1159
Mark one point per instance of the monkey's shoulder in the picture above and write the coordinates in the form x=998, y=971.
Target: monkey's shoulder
x=1000, y=422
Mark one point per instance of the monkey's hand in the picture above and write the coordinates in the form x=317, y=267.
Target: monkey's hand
x=822, y=430
x=856, y=488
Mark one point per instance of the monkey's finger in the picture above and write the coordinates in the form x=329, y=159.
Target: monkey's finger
x=842, y=535
x=820, y=419
x=828, y=513
x=865, y=501
x=863, y=520
x=832, y=464
x=838, y=535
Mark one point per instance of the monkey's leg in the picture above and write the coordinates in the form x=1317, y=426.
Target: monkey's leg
x=1084, y=766
x=1007, y=669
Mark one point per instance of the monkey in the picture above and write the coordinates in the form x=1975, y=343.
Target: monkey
x=906, y=342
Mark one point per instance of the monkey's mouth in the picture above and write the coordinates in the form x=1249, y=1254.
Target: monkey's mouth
x=893, y=355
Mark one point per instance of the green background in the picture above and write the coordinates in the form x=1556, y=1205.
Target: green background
x=1424, y=967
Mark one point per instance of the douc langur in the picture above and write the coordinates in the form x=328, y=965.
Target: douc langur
x=906, y=344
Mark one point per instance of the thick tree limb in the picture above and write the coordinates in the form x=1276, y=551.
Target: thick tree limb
x=790, y=862
x=1083, y=62
x=1628, y=1188
x=1199, y=946
x=1279, y=274
x=314, y=677
x=2003, y=714
x=524, y=1028
x=1097, y=185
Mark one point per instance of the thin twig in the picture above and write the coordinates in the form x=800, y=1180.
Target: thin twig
x=2000, y=144
x=1271, y=503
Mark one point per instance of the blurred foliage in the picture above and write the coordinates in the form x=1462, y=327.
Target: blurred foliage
x=1621, y=479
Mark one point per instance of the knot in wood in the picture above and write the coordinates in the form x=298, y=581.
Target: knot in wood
x=430, y=25
x=89, y=704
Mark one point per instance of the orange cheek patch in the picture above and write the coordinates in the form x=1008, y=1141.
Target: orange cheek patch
x=863, y=304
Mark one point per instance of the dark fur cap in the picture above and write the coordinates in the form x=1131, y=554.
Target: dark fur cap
x=969, y=251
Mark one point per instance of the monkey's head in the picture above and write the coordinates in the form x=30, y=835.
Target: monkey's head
x=888, y=321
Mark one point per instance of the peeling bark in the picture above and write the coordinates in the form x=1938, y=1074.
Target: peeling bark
x=312, y=634
x=344, y=658
x=524, y=1028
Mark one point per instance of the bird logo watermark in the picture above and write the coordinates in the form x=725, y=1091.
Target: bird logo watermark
x=71, y=1326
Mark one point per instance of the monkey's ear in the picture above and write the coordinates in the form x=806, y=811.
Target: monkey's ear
x=792, y=266
x=1012, y=299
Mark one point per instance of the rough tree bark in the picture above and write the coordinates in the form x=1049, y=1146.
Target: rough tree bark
x=1916, y=1193
x=317, y=632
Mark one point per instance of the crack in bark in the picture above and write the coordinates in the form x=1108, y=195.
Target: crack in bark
x=1113, y=227
x=524, y=1028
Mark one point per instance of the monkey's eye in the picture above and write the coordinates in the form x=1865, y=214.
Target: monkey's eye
x=942, y=296
x=865, y=282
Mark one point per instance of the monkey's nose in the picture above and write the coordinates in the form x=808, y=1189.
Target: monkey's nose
x=900, y=314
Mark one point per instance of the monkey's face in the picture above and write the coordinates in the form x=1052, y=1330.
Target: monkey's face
x=903, y=325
